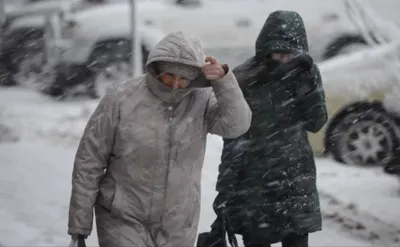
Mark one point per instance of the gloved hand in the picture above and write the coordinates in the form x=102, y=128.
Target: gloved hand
x=292, y=69
x=77, y=241
x=306, y=84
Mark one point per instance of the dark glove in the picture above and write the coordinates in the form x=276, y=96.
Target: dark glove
x=286, y=75
x=81, y=241
x=292, y=69
x=306, y=84
x=77, y=241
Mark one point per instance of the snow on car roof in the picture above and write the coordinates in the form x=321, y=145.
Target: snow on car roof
x=28, y=21
x=113, y=20
x=169, y=18
x=364, y=72
x=37, y=7
x=239, y=22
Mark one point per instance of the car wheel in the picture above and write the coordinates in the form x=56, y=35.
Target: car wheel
x=55, y=88
x=6, y=79
x=29, y=69
x=364, y=138
x=111, y=75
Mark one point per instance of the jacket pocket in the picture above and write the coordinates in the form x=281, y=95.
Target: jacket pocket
x=106, y=192
x=117, y=201
x=109, y=195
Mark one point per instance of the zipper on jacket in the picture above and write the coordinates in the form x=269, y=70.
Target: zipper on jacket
x=171, y=123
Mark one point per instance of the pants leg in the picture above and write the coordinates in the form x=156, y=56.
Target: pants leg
x=295, y=240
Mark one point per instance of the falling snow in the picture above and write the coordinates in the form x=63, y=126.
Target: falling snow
x=53, y=72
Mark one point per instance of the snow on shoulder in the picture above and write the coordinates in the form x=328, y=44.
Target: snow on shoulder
x=361, y=73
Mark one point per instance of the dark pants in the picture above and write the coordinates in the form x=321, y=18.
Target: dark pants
x=292, y=240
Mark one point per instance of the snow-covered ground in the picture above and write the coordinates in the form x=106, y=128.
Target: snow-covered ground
x=38, y=139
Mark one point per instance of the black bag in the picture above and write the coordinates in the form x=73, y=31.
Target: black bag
x=227, y=229
x=212, y=239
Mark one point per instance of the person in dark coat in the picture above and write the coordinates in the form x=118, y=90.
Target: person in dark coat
x=267, y=177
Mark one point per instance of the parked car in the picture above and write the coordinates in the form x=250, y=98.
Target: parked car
x=98, y=49
x=24, y=31
x=99, y=37
x=362, y=95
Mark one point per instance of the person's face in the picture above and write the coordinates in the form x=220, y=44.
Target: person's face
x=174, y=81
x=282, y=57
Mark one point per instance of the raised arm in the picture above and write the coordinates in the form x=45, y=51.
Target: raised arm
x=312, y=106
x=227, y=112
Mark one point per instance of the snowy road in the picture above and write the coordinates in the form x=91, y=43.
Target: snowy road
x=38, y=139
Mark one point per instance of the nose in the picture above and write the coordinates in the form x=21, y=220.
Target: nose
x=175, y=83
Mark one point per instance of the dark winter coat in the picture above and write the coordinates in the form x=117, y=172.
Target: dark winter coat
x=267, y=177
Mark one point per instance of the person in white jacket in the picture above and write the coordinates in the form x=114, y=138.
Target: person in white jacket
x=140, y=158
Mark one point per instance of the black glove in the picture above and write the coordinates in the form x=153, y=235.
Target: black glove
x=81, y=241
x=306, y=83
x=288, y=71
x=285, y=83
x=77, y=241
x=275, y=71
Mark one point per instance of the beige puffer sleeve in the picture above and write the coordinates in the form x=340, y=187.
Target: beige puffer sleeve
x=90, y=162
x=228, y=114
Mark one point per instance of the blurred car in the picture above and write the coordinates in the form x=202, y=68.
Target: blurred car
x=24, y=31
x=362, y=94
x=218, y=23
x=99, y=37
x=330, y=26
x=98, y=44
